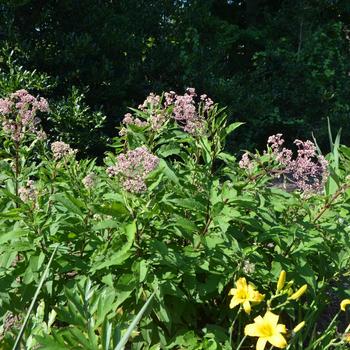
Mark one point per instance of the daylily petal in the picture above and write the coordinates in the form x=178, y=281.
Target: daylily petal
x=250, y=291
x=232, y=291
x=234, y=302
x=271, y=318
x=251, y=330
x=258, y=297
x=241, y=283
x=261, y=343
x=258, y=319
x=246, y=306
x=278, y=341
x=344, y=303
x=281, y=328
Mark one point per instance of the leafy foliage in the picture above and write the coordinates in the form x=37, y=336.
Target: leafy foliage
x=201, y=223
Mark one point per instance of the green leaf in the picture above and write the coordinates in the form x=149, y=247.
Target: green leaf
x=106, y=334
x=143, y=270
x=104, y=306
x=106, y=224
x=188, y=203
x=68, y=203
x=115, y=209
x=230, y=128
x=12, y=235
x=126, y=336
x=123, y=253
x=43, y=278
x=168, y=172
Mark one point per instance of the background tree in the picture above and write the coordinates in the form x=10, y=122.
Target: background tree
x=278, y=65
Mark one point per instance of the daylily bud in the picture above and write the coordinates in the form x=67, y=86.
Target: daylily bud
x=298, y=327
x=298, y=293
x=281, y=280
x=344, y=303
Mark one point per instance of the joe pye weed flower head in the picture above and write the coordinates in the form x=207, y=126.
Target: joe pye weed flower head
x=307, y=170
x=61, y=150
x=133, y=167
x=18, y=114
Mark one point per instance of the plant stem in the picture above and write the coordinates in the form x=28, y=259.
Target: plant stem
x=43, y=278
x=232, y=325
x=16, y=169
x=326, y=331
x=333, y=198
x=241, y=343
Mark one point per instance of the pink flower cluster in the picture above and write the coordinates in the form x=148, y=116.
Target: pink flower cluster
x=184, y=110
x=89, y=181
x=152, y=101
x=130, y=120
x=207, y=102
x=61, y=149
x=246, y=162
x=186, y=113
x=18, y=114
x=169, y=97
x=156, y=121
x=28, y=192
x=283, y=155
x=133, y=168
x=309, y=171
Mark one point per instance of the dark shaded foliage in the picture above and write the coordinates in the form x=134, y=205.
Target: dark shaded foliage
x=278, y=65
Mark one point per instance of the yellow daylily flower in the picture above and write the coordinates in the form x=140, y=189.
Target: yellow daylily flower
x=344, y=303
x=298, y=293
x=281, y=280
x=244, y=294
x=267, y=329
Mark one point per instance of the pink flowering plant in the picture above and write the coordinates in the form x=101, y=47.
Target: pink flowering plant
x=170, y=215
x=21, y=132
x=19, y=115
x=306, y=171
x=189, y=127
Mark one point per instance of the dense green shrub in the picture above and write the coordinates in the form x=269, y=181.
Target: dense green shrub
x=169, y=212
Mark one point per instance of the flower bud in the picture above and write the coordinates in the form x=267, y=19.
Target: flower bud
x=298, y=327
x=281, y=280
x=298, y=293
x=344, y=303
